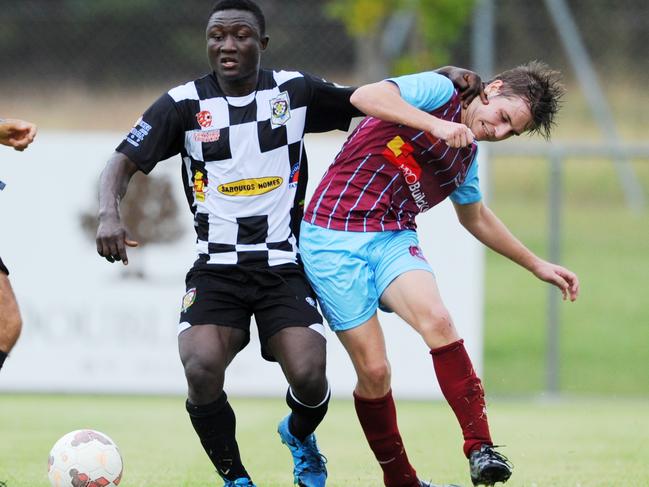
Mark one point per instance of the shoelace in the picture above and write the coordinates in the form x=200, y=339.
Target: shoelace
x=311, y=460
x=499, y=456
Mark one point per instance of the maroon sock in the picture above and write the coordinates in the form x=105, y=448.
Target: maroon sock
x=378, y=418
x=463, y=391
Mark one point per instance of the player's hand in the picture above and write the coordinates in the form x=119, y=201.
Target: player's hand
x=566, y=280
x=112, y=240
x=468, y=83
x=456, y=135
x=17, y=133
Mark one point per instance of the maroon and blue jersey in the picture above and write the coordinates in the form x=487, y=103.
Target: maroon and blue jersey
x=386, y=173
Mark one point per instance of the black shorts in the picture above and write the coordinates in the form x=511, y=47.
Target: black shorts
x=279, y=297
x=3, y=268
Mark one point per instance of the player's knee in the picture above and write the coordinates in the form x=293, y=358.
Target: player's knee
x=204, y=377
x=308, y=378
x=375, y=374
x=436, y=325
x=11, y=324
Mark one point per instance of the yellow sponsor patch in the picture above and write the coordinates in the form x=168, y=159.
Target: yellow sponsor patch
x=395, y=145
x=251, y=187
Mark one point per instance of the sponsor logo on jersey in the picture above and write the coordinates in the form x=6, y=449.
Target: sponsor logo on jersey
x=251, y=187
x=207, y=135
x=280, y=110
x=415, y=251
x=399, y=154
x=204, y=119
x=189, y=299
x=200, y=186
x=310, y=300
x=139, y=131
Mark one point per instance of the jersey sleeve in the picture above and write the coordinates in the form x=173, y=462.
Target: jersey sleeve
x=329, y=107
x=156, y=136
x=469, y=191
x=426, y=91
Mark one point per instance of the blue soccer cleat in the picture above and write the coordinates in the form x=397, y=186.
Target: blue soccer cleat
x=241, y=482
x=309, y=464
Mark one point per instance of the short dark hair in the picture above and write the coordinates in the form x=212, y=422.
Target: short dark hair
x=540, y=87
x=247, y=5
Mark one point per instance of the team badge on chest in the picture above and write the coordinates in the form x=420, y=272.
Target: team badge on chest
x=280, y=110
x=204, y=119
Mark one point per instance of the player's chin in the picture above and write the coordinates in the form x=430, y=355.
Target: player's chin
x=231, y=74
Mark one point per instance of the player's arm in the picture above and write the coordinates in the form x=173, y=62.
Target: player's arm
x=383, y=100
x=16, y=133
x=484, y=225
x=156, y=136
x=112, y=236
x=328, y=106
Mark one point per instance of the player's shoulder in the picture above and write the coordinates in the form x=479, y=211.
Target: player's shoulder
x=198, y=89
x=281, y=77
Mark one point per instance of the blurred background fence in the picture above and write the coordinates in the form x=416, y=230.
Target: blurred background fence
x=97, y=64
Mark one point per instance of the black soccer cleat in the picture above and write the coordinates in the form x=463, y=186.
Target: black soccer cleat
x=488, y=466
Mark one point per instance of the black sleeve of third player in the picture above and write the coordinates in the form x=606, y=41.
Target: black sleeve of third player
x=157, y=135
x=329, y=106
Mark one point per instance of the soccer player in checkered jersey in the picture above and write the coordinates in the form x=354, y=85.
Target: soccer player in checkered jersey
x=240, y=133
x=17, y=134
x=359, y=240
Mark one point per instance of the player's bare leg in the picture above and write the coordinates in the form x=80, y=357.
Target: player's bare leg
x=301, y=352
x=206, y=351
x=415, y=297
x=374, y=405
x=10, y=320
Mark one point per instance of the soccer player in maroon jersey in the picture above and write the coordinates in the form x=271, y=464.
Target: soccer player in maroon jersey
x=17, y=134
x=416, y=148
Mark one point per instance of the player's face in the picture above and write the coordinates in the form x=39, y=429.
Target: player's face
x=234, y=46
x=503, y=117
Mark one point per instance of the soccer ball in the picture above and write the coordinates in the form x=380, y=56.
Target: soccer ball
x=84, y=458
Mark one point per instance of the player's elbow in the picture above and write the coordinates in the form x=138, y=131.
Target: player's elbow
x=368, y=98
x=361, y=98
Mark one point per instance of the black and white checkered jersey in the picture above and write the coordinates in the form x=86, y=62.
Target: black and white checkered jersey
x=244, y=163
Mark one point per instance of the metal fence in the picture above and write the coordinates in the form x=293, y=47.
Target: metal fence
x=139, y=43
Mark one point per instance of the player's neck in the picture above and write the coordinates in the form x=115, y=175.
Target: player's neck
x=466, y=114
x=238, y=87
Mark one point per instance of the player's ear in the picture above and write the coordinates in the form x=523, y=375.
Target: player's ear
x=493, y=88
x=263, y=42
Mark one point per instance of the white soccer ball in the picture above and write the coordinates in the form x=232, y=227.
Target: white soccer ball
x=84, y=458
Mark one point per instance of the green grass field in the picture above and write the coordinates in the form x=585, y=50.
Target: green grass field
x=571, y=443
x=604, y=335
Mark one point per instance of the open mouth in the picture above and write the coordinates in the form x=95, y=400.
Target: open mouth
x=228, y=63
x=486, y=133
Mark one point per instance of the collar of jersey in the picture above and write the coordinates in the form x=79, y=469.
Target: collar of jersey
x=241, y=101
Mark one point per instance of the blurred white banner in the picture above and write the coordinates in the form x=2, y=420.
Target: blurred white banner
x=89, y=327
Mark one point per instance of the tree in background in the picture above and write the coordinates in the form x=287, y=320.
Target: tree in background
x=149, y=212
x=402, y=36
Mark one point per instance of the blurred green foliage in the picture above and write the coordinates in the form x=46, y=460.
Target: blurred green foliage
x=439, y=25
